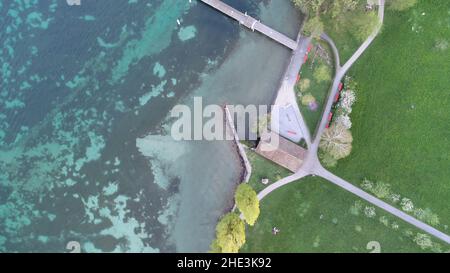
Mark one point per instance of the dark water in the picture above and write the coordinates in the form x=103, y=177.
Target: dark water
x=85, y=95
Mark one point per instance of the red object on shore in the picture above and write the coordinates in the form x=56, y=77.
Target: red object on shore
x=292, y=133
x=309, y=48
x=305, y=58
x=298, y=77
x=336, y=99
x=341, y=85
x=330, y=117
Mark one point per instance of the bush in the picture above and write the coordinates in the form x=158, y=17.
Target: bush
x=423, y=240
x=367, y=184
x=407, y=205
x=304, y=85
x=307, y=99
x=381, y=190
x=370, y=212
x=322, y=73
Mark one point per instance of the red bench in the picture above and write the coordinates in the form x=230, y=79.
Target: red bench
x=330, y=117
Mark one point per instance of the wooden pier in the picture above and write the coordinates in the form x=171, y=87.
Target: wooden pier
x=252, y=23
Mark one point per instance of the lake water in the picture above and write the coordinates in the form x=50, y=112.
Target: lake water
x=86, y=91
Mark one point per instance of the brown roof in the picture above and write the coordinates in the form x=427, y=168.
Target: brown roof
x=281, y=151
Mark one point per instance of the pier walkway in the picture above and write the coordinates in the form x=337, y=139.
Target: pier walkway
x=251, y=23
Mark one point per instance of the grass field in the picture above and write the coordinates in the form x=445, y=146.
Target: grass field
x=318, y=89
x=314, y=215
x=401, y=121
x=263, y=168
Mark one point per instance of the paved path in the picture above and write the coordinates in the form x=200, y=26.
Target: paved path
x=252, y=23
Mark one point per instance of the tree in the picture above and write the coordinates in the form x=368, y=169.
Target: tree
x=214, y=247
x=322, y=73
x=309, y=6
x=230, y=234
x=247, y=202
x=336, y=141
x=313, y=27
x=342, y=6
x=401, y=4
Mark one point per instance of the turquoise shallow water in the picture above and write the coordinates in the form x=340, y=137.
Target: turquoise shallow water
x=85, y=94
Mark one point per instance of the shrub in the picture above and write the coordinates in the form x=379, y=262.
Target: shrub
x=304, y=85
x=367, y=184
x=322, y=73
x=348, y=98
x=423, y=240
x=370, y=212
x=430, y=217
x=381, y=190
x=307, y=99
x=394, y=198
x=345, y=121
x=407, y=205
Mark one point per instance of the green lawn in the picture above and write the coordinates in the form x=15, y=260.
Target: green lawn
x=263, y=168
x=318, y=89
x=401, y=120
x=314, y=215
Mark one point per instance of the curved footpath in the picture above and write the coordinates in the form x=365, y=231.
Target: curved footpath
x=312, y=166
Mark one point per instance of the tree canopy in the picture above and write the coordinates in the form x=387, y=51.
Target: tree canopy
x=247, y=202
x=313, y=27
x=348, y=14
x=337, y=141
x=230, y=234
